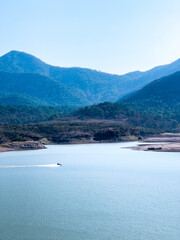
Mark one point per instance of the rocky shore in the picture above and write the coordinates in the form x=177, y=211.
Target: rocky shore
x=20, y=146
x=167, y=142
x=35, y=145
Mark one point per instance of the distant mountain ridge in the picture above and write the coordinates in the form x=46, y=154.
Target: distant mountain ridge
x=163, y=93
x=20, y=62
x=34, y=90
x=71, y=86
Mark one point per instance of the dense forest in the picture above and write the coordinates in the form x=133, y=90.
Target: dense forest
x=67, y=125
x=161, y=94
x=106, y=110
x=130, y=115
x=28, y=114
x=105, y=121
x=34, y=90
x=118, y=112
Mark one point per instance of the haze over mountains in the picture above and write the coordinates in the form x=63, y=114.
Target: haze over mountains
x=159, y=96
x=33, y=89
x=161, y=93
x=26, y=80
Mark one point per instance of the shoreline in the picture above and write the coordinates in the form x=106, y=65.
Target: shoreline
x=21, y=146
x=166, y=142
x=38, y=145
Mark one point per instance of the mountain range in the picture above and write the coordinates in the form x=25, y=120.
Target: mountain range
x=163, y=93
x=26, y=80
x=33, y=89
x=155, y=106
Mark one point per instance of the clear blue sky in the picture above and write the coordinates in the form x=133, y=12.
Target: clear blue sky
x=114, y=36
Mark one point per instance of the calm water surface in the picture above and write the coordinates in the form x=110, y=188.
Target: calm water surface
x=102, y=191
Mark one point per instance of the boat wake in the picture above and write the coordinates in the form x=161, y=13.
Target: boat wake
x=29, y=166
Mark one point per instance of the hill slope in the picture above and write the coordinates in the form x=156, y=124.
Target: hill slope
x=31, y=114
x=163, y=93
x=9, y=99
x=129, y=115
x=20, y=62
x=33, y=89
x=90, y=86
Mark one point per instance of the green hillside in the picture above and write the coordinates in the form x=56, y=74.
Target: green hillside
x=29, y=114
x=129, y=115
x=81, y=86
x=163, y=93
x=34, y=89
x=106, y=110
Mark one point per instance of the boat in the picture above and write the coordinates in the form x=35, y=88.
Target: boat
x=59, y=164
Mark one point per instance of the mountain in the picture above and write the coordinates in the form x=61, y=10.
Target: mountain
x=79, y=86
x=90, y=86
x=20, y=62
x=158, y=72
x=163, y=94
x=8, y=99
x=33, y=89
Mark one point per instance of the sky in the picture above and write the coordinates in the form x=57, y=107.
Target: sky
x=115, y=36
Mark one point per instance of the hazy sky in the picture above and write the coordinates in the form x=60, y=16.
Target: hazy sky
x=114, y=36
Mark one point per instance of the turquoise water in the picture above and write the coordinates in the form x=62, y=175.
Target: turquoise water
x=102, y=191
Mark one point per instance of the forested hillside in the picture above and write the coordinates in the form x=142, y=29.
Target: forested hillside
x=29, y=114
x=77, y=86
x=161, y=94
x=34, y=89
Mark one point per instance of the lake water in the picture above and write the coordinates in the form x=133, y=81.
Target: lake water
x=102, y=191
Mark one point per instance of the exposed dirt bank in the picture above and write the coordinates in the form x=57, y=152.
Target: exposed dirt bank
x=167, y=142
x=19, y=146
